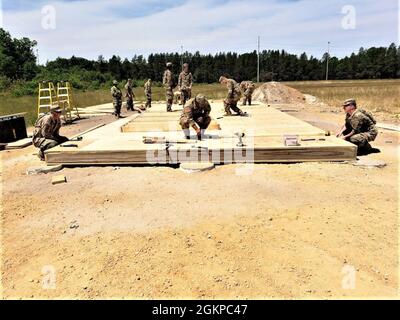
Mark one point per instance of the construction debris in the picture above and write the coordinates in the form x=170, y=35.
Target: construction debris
x=368, y=163
x=58, y=180
x=40, y=170
x=277, y=93
x=194, y=167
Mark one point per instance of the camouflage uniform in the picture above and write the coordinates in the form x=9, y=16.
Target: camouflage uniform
x=195, y=112
x=234, y=95
x=147, y=92
x=248, y=88
x=185, y=84
x=117, y=99
x=47, y=134
x=364, y=128
x=129, y=96
x=168, y=82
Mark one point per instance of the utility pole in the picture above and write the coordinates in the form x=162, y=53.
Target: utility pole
x=327, y=61
x=182, y=57
x=258, y=60
x=37, y=57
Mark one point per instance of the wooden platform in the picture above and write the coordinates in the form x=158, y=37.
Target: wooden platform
x=122, y=141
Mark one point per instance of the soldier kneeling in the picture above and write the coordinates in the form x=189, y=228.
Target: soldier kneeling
x=196, y=114
x=359, y=128
x=47, y=132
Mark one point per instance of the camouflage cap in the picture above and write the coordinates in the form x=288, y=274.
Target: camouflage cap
x=349, y=102
x=200, y=98
x=55, y=109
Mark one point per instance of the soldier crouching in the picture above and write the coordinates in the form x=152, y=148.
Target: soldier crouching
x=234, y=95
x=196, y=115
x=359, y=128
x=47, y=132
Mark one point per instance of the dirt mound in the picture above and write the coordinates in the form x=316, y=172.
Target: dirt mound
x=274, y=92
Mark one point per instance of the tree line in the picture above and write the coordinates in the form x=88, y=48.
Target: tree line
x=18, y=65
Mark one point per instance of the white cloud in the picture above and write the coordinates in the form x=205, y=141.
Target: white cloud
x=91, y=28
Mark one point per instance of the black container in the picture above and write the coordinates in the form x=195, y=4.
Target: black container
x=12, y=128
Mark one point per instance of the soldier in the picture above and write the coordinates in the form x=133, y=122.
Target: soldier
x=168, y=81
x=248, y=88
x=147, y=92
x=129, y=95
x=47, y=132
x=117, y=98
x=185, y=84
x=233, y=97
x=359, y=127
x=196, y=114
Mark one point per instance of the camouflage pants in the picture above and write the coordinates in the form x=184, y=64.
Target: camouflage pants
x=362, y=139
x=148, y=99
x=46, y=144
x=129, y=104
x=117, y=107
x=231, y=103
x=185, y=95
x=202, y=122
x=170, y=98
x=247, y=98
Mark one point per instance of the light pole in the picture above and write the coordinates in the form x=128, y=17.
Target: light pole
x=181, y=57
x=327, y=61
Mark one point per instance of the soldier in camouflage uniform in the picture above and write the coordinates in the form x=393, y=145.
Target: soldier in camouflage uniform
x=359, y=128
x=196, y=115
x=185, y=83
x=129, y=95
x=248, y=88
x=147, y=92
x=117, y=99
x=234, y=95
x=168, y=82
x=47, y=132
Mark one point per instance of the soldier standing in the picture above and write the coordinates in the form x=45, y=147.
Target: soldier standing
x=359, y=128
x=185, y=84
x=129, y=95
x=117, y=98
x=147, y=92
x=47, y=132
x=248, y=88
x=233, y=97
x=168, y=81
x=196, y=114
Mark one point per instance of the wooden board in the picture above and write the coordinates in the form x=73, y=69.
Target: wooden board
x=20, y=144
x=264, y=141
x=226, y=152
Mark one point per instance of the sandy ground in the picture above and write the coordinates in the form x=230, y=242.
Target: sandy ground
x=326, y=230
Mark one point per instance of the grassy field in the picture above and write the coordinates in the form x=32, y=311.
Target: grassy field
x=375, y=95
x=28, y=104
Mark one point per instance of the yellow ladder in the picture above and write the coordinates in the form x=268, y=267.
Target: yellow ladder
x=47, y=97
x=65, y=100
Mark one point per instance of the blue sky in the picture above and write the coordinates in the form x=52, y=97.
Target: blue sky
x=90, y=28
